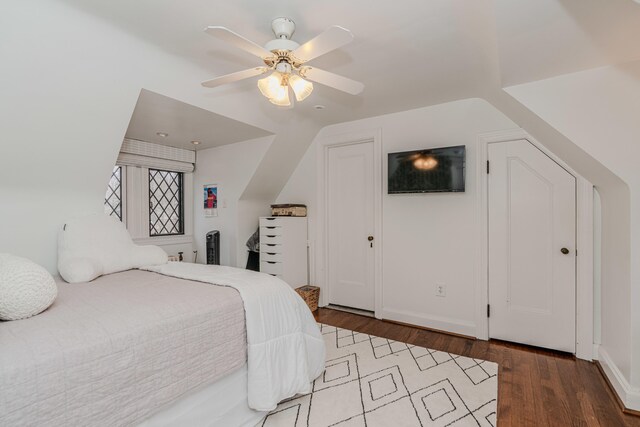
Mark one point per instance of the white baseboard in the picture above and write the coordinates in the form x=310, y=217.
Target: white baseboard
x=629, y=395
x=596, y=352
x=440, y=323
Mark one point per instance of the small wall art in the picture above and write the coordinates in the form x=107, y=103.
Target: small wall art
x=210, y=200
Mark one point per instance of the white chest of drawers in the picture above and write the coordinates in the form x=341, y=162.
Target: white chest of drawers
x=283, y=248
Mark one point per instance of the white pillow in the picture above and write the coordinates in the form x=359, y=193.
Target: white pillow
x=100, y=244
x=26, y=288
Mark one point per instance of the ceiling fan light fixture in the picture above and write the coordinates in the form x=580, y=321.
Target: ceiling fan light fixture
x=270, y=86
x=286, y=60
x=276, y=88
x=301, y=87
x=282, y=97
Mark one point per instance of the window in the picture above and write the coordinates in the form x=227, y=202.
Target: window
x=113, y=198
x=166, y=203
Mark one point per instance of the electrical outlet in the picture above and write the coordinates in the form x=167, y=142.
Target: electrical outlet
x=441, y=290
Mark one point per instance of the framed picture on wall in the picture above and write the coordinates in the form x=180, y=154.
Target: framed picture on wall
x=210, y=200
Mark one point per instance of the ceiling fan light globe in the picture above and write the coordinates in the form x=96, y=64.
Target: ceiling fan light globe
x=282, y=97
x=301, y=87
x=270, y=86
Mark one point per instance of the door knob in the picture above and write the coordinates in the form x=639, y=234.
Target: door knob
x=370, y=238
x=564, y=251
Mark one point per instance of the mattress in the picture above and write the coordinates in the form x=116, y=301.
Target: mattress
x=221, y=404
x=118, y=349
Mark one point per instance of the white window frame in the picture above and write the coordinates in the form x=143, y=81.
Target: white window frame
x=123, y=192
x=138, y=209
x=181, y=219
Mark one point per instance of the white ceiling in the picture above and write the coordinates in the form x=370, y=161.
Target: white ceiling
x=408, y=54
x=412, y=54
x=545, y=38
x=184, y=123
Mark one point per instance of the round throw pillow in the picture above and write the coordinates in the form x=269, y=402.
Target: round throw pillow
x=26, y=288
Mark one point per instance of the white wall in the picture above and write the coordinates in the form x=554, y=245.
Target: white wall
x=427, y=238
x=231, y=167
x=70, y=82
x=598, y=110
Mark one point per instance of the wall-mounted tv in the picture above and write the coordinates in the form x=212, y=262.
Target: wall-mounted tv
x=434, y=170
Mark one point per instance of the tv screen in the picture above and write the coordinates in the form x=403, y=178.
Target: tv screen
x=427, y=171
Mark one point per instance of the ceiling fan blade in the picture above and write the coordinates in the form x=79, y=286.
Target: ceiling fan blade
x=332, y=38
x=234, y=77
x=226, y=35
x=332, y=80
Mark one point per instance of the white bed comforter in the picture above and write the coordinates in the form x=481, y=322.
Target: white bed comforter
x=285, y=349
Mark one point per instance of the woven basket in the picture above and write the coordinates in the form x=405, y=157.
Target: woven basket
x=310, y=295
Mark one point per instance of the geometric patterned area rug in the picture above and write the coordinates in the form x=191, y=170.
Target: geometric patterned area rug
x=375, y=382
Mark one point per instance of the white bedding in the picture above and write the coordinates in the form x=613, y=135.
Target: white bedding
x=285, y=349
x=221, y=404
x=117, y=350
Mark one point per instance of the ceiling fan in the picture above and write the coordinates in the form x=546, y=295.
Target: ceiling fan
x=287, y=61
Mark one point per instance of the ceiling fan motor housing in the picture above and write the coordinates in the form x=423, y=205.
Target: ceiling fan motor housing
x=283, y=28
x=281, y=44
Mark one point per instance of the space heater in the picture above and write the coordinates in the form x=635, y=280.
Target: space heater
x=213, y=247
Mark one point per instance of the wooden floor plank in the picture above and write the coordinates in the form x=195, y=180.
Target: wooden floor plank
x=536, y=387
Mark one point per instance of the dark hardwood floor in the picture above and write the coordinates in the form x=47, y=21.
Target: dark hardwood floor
x=536, y=387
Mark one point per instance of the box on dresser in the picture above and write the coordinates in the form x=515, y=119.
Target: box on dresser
x=289, y=210
x=283, y=248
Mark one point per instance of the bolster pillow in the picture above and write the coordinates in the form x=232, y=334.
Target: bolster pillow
x=100, y=244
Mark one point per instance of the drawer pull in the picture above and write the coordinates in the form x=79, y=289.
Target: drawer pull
x=270, y=228
x=271, y=262
x=270, y=244
x=273, y=274
x=270, y=253
x=269, y=219
x=269, y=235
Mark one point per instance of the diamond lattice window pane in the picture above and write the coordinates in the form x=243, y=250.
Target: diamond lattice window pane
x=165, y=203
x=113, y=197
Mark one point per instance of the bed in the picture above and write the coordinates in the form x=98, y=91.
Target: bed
x=136, y=348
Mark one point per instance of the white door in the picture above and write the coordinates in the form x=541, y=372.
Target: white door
x=532, y=253
x=350, y=225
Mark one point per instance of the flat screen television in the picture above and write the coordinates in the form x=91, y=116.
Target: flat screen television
x=434, y=170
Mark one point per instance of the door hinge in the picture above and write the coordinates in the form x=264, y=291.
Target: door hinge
x=488, y=310
x=487, y=167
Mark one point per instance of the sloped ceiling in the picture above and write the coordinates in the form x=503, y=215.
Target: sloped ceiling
x=413, y=54
x=544, y=38
x=184, y=123
x=408, y=54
